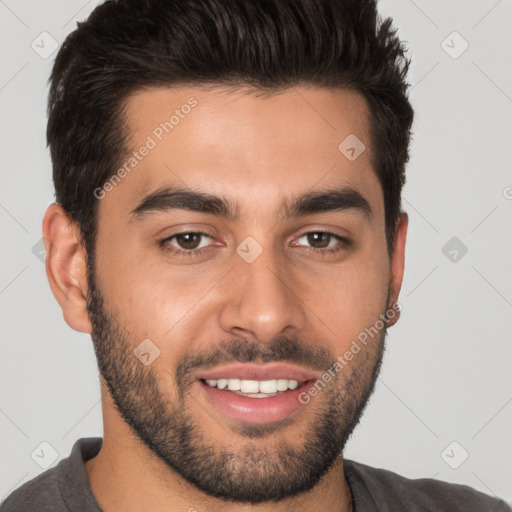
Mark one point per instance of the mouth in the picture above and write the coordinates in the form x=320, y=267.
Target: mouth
x=255, y=394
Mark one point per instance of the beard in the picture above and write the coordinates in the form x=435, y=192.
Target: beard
x=247, y=471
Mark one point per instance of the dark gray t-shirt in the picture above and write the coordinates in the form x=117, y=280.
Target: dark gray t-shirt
x=66, y=488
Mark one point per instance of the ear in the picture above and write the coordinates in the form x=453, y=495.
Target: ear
x=66, y=267
x=398, y=262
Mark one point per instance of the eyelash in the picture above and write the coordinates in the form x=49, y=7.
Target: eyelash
x=345, y=243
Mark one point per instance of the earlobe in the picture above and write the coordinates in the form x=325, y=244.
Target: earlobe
x=66, y=267
x=398, y=263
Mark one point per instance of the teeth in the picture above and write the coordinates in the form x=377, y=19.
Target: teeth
x=268, y=386
x=234, y=384
x=253, y=386
x=249, y=386
x=282, y=384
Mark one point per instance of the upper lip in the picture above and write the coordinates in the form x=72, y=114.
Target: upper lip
x=252, y=371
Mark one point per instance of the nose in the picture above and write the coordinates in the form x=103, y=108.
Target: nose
x=262, y=299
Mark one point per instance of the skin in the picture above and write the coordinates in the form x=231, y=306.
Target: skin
x=259, y=152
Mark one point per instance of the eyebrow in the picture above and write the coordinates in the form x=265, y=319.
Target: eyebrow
x=167, y=199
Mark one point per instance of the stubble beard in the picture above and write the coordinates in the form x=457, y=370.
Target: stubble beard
x=253, y=470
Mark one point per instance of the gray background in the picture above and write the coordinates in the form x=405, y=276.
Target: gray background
x=446, y=376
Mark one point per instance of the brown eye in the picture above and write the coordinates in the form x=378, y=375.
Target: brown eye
x=189, y=243
x=188, y=240
x=322, y=241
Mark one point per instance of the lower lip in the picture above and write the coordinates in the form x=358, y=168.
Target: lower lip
x=254, y=410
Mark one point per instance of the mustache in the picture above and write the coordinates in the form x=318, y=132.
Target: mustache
x=280, y=348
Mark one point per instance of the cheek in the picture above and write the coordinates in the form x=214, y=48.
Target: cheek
x=351, y=298
x=164, y=305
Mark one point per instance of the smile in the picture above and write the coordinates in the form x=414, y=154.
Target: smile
x=255, y=393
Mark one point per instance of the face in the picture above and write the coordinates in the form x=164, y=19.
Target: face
x=238, y=258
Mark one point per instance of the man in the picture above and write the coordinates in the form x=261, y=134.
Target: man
x=228, y=229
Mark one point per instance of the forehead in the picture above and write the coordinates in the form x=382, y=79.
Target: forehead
x=255, y=148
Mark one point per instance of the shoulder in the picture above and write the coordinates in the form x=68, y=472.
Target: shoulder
x=60, y=488
x=387, y=490
x=43, y=489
